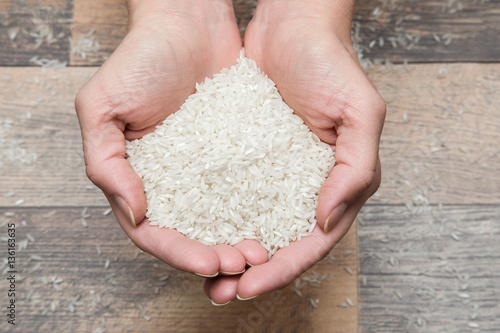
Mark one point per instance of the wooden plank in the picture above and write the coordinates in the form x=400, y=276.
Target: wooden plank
x=41, y=156
x=436, y=271
x=440, y=141
x=446, y=151
x=98, y=28
x=39, y=28
x=94, y=277
x=430, y=31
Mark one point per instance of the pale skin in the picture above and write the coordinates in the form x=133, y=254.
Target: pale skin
x=305, y=48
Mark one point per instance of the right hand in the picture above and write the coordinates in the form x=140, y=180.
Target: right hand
x=305, y=48
x=170, y=46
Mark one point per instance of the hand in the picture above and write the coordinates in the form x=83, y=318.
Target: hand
x=305, y=48
x=170, y=46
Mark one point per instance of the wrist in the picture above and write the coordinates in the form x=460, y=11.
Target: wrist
x=154, y=11
x=330, y=6
x=334, y=15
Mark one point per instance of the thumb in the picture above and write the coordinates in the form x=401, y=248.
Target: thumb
x=346, y=187
x=104, y=153
x=357, y=172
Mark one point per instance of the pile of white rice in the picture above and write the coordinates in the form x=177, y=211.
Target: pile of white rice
x=233, y=163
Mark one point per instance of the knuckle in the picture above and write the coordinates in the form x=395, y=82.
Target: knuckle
x=379, y=105
x=372, y=103
x=368, y=179
x=375, y=185
x=378, y=177
x=82, y=99
x=372, y=180
x=375, y=103
x=94, y=101
x=93, y=174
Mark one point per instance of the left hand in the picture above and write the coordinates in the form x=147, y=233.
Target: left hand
x=170, y=46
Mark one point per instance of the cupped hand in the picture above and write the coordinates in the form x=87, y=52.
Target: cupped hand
x=170, y=46
x=306, y=50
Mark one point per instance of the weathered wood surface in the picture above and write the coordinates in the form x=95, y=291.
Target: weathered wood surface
x=98, y=27
x=441, y=137
x=82, y=32
x=31, y=28
x=428, y=240
x=435, y=271
x=43, y=140
x=429, y=259
x=73, y=278
x=430, y=31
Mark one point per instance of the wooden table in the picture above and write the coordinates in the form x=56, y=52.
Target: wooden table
x=428, y=254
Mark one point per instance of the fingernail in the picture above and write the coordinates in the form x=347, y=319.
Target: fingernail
x=232, y=273
x=125, y=209
x=249, y=264
x=334, y=217
x=245, y=299
x=217, y=304
x=207, y=275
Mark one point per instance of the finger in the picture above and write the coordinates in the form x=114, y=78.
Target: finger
x=357, y=166
x=286, y=265
x=231, y=261
x=104, y=153
x=173, y=248
x=221, y=290
x=290, y=262
x=253, y=252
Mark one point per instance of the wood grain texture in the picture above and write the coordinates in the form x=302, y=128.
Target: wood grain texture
x=73, y=278
x=430, y=31
x=440, y=140
x=428, y=249
x=36, y=28
x=437, y=271
x=98, y=28
x=429, y=259
x=39, y=104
